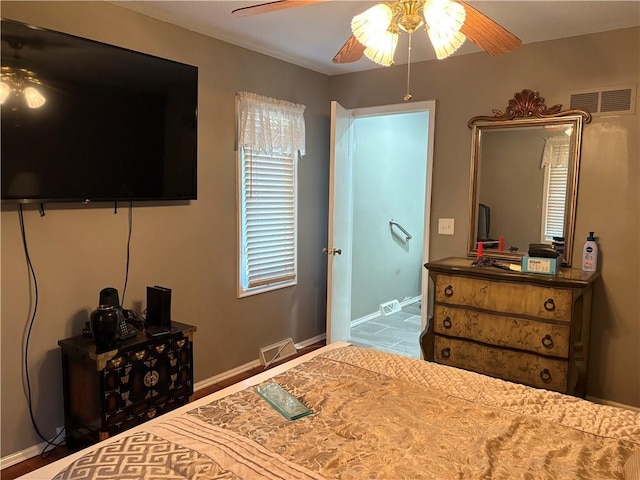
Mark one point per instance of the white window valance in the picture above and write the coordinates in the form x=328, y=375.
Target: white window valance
x=556, y=151
x=270, y=126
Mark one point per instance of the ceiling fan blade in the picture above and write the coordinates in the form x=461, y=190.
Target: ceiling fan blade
x=271, y=7
x=487, y=34
x=351, y=51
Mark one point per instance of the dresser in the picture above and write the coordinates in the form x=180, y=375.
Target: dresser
x=108, y=392
x=526, y=328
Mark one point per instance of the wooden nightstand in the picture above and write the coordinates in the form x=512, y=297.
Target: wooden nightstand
x=106, y=393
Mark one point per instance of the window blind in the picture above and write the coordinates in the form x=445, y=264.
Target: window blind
x=269, y=218
x=555, y=201
x=555, y=158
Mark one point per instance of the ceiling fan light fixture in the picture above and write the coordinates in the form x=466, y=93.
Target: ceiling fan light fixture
x=383, y=50
x=445, y=43
x=19, y=81
x=371, y=24
x=407, y=14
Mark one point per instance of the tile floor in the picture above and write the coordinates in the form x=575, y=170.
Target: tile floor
x=395, y=333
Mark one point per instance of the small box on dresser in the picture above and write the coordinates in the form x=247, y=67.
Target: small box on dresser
x=109, y=392
x=526, y=328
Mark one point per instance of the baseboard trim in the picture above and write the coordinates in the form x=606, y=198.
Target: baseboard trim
x=311, y=341
x=376, y=314
x=22, y=455
x=207, y=382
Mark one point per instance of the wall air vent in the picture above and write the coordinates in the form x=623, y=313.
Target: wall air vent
x=617, y=100
x=278, y=351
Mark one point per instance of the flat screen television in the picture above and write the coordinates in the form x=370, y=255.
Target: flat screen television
x=484, y=223
x=115, y=124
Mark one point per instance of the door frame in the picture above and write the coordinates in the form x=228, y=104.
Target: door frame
x=430, y=107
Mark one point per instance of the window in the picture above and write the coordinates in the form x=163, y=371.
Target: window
x=554, y=206
x=555, y=162
x=271, y=136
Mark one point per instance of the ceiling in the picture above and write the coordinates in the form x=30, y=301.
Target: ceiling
x=310, y=35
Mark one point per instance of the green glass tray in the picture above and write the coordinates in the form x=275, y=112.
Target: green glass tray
x=286, y=404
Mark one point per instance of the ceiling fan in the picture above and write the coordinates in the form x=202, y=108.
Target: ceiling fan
x=448, y=23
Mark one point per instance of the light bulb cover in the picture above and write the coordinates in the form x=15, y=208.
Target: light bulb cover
x=444, y=20
x=383, y=50
x=445, y=43
x=371, y=24
x=5, y=91
x=444, y=15
x=34, y=97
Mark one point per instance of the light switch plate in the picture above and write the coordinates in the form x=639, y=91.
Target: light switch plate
x=445, y=226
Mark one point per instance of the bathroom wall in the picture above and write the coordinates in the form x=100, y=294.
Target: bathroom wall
x=390, y=161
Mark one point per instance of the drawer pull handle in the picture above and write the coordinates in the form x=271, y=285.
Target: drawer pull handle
x=139, y=355
x=549, y=305
x=446, y=323
x=547, y=341
x=448, y=291
x=446, y=352
x=116, y=362
x=180, y=343
x=545, y=375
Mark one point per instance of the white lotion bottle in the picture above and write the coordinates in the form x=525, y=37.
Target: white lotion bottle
x=590, y=254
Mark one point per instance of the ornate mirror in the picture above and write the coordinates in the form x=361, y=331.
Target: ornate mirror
x=524, y=177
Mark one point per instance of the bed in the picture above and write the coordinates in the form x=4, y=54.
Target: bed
x=374, y=415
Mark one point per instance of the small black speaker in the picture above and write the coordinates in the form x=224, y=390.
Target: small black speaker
x=159, y=306
x=109, y=296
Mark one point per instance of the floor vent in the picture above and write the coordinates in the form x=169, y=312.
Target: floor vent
x=605, y=101
x=277, y=351
x=389, y=308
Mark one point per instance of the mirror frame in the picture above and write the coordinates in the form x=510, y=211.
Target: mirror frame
x=526, y=109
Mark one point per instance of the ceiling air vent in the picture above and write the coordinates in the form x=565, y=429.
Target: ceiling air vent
x=605, y=101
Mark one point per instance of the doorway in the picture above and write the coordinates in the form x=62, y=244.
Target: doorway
x=379, y=225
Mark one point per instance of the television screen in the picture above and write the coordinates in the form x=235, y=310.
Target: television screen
x=85, y=121
x=484, y=223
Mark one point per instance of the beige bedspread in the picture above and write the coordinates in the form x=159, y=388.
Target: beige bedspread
x=381, y=416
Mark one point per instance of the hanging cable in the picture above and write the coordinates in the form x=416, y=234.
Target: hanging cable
x=126, y=272
x=407, y=96
x=50, y=443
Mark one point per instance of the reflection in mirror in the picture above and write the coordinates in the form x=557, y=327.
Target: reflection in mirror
x=524, y=174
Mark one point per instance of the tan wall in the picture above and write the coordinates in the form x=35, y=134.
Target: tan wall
x=189, y=248
x=609, y=196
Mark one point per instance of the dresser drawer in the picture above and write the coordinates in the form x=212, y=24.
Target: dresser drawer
x=503, y=297
x=520, y=367
x=504, y=331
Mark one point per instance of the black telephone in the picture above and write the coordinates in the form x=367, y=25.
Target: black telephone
x=542, y=250
x=109, y=296
x=125, y=330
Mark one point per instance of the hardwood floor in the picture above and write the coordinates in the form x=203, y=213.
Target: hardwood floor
x=34, y=463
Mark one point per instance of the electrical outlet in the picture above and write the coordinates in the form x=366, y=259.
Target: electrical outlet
x=445, y=226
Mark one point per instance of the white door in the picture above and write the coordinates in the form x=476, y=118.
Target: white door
x=340, y=211
x=340, y=233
